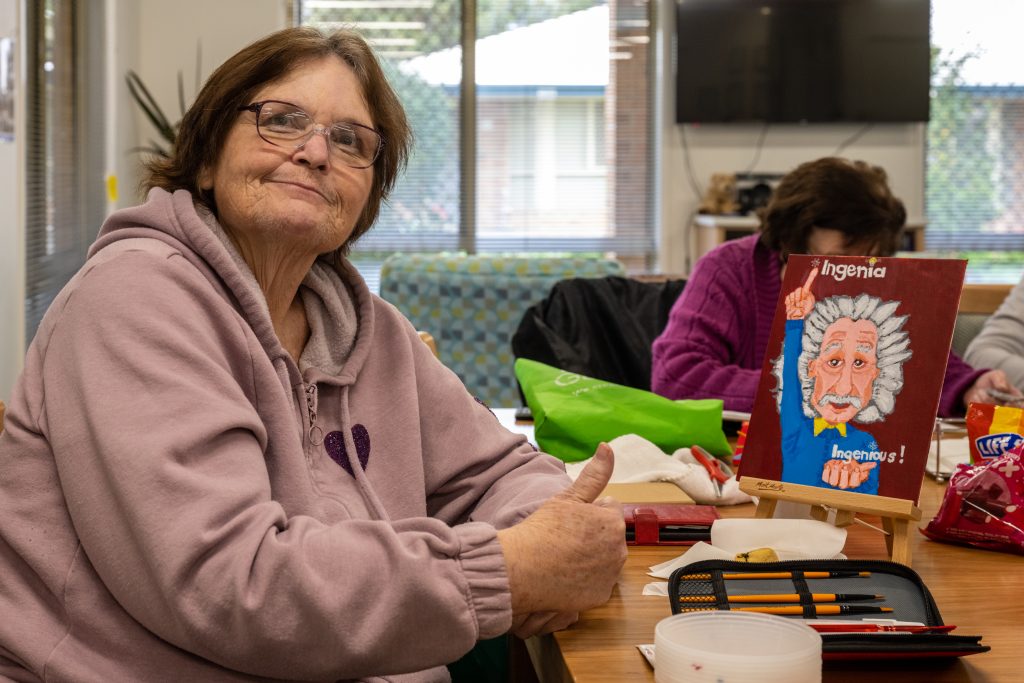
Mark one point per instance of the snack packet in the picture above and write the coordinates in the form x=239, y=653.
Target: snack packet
x=993, y=430
x=984, y=505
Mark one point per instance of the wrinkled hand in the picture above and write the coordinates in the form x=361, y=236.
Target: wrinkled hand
x=993, y=379
x=846, y=474
x=566, y=556
x=528, y=625
x=800, y=301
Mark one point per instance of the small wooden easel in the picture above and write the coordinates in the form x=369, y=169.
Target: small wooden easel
x=896, y=513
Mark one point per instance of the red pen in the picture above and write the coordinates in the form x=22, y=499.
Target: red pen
x=867, y=627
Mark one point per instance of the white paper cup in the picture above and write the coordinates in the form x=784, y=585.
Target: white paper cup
x=735, y=647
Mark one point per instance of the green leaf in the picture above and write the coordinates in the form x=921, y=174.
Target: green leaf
x=140, y=93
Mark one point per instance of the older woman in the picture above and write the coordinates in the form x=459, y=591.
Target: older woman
x=227, y=460
x=717, y=333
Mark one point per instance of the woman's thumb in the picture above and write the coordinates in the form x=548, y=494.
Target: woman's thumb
x=594, y=477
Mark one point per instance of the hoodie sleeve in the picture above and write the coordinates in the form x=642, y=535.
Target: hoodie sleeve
x=1000, y=344
x=493, y=475
x=148, y=408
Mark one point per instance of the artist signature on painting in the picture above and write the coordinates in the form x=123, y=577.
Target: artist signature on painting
x=771, y=486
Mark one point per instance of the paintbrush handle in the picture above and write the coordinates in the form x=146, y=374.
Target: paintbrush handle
x=779, y=575
x=799, y=609
x=786, y=597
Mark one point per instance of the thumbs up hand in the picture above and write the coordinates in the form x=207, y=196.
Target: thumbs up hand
x=567, y=555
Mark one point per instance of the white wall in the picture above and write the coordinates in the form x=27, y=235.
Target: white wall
x=156, y=38
x=898, y=148
x=119, y=129
x=12, y=227
x=161, y=39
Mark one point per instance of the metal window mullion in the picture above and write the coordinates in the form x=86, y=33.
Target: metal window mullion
x=35, y=161
x=467, y=130
x=652, y=236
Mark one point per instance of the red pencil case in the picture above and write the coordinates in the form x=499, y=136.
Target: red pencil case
x=668, y=523
x=703, y=585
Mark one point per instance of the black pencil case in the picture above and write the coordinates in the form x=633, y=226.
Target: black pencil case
x=702, y=586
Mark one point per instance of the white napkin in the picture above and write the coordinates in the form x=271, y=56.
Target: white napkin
x=658, y=588
x=638, y=460
x=791, y=539
x=953, y=452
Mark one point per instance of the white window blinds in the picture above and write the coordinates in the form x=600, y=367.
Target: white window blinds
x=975, y=162
x=560, y=124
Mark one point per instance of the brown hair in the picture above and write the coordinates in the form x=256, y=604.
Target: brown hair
x=852, y=197
x=206, y=124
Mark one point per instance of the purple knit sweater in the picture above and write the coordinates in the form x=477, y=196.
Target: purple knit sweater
x=717, y=333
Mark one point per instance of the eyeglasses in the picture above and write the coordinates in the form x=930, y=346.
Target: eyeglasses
x=284, y=124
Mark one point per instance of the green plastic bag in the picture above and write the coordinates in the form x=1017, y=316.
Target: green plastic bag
x=573, y=413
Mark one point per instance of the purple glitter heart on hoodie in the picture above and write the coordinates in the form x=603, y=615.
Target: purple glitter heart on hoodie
x=334, y=442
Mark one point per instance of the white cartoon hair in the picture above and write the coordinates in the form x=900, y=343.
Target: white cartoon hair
x=892, y=351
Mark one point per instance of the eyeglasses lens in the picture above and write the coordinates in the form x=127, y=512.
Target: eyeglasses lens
x=350, y=143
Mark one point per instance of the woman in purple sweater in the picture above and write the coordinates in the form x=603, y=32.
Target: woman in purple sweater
x=717, y=333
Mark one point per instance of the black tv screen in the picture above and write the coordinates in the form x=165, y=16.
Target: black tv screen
x=797, y=61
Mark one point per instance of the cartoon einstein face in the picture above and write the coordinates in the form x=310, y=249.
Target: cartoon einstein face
x=844, y=372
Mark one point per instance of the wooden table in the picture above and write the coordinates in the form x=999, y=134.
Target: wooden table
x=980, y=591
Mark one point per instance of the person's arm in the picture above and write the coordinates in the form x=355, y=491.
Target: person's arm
x=1000, y=344
x=792, y=422
x=493, y=476
x=475, y=469
x=963, y=385
x=958, y=380
x=696, y=356
x=566, y=556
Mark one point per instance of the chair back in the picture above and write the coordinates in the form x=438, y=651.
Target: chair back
x=600, y=327
x=471, y=304
x=977, y=303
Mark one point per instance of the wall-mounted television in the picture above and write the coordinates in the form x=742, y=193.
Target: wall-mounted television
x=802, y=61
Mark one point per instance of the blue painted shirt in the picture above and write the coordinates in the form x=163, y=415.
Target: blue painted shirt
x=803, y=454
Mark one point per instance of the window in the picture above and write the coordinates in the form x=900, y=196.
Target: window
x=975, y=159
x=56, y=236
x=557, y=119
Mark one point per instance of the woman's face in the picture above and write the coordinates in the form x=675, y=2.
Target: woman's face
x=270, y=196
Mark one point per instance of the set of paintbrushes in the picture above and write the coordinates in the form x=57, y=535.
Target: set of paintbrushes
x=787, y=603
x=841, y=599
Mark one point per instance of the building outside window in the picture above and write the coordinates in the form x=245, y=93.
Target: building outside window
x=975, y=158
x=560, y=132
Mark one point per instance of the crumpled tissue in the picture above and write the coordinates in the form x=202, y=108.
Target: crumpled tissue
x=791, y=539
x=638, y=460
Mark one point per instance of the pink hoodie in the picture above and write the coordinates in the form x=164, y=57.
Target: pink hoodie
x=179, y=501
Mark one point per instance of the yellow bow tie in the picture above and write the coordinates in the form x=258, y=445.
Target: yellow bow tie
x=820, y=425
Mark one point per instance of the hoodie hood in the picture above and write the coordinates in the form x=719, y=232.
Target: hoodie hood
x=338, y=304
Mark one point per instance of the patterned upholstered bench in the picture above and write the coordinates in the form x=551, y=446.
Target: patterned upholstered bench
x=472, y=304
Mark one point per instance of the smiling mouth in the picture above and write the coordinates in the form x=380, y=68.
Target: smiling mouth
x=303, y=186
